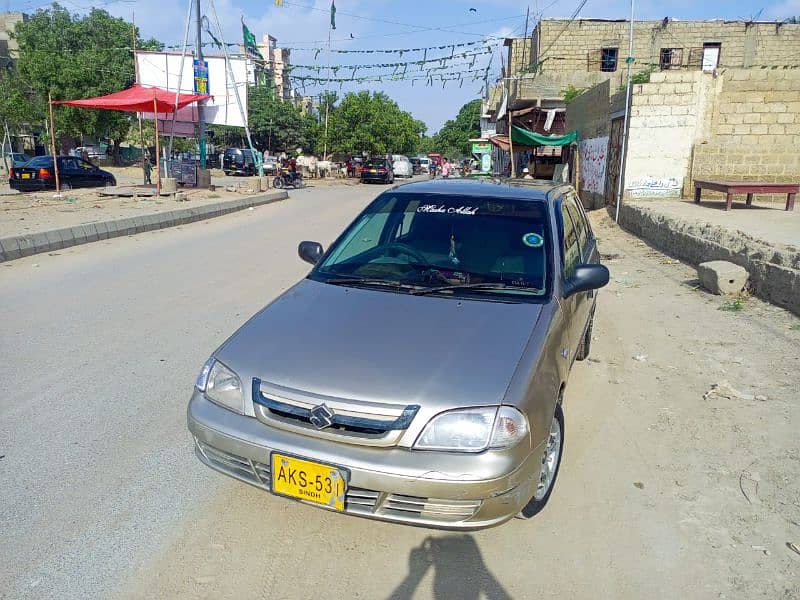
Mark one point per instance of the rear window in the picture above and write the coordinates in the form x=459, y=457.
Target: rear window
x=40, y=161
x=374, y=164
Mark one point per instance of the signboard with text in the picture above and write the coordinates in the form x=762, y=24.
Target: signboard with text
x=481, y=148
x=200, y=76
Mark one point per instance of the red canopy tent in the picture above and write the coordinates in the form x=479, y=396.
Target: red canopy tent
x=136, y=98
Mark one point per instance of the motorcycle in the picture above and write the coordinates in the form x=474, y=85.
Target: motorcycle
x=284, y=180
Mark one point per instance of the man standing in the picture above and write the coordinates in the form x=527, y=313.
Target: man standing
x=148, y=169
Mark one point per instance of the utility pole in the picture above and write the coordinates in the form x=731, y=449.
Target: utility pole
x=201, y=124
x=627, y=117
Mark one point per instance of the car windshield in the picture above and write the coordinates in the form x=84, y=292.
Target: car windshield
x=432, y=243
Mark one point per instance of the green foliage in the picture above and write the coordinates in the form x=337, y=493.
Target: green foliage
x=571, y=92
x=643, y=76
x=277, y=125
x=71, y=56
x=736, y=304
x=453, y=138
x=373, y=123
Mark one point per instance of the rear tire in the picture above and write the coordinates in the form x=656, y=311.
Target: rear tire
x=586, y=342
x=551, y=462
x=65, y=186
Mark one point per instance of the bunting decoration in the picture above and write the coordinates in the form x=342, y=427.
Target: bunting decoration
x=333, y=14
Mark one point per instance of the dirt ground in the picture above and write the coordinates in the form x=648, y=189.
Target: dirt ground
x=680, y=478
x=22, y=214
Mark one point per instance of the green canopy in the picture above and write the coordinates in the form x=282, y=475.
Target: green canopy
x=528, y=138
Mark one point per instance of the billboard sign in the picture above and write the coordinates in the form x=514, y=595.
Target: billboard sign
x=176, y=72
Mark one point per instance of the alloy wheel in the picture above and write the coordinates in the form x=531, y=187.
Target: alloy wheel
x=550, y=460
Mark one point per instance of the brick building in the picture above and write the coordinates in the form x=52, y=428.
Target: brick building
x=585, y=52
x=8, y=45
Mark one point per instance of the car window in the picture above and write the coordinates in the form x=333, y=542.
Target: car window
x=41, y=161
x=68, y=164
x=570, y=250
x=434, y=240
x=85, y=165
x=580, y=230
x=580, y=220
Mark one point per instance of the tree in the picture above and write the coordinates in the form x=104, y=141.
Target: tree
x=72, y=56
x=373, y=123
x=278, y=125
x=453, y=137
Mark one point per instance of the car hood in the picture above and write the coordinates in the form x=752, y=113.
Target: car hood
x=365, y=344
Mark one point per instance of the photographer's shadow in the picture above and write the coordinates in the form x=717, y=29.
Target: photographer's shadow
x=459, y=571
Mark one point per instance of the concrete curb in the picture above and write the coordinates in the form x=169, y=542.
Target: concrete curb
x=19, y=246
x=774, y=269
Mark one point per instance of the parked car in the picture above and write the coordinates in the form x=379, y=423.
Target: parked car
x=416, y=166
x=377, y=169
x=239, y=161
x=425, y=164
x=16, y=159
x=416, y=375
x=270, y=164
x=39, y=174
x=401, y=166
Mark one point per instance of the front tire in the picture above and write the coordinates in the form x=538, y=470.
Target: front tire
x=277, y=183
x=551, y=461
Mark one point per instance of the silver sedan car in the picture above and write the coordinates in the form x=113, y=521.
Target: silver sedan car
x=416, y=374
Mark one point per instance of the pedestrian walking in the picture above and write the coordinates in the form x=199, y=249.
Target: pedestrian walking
x=445, y=168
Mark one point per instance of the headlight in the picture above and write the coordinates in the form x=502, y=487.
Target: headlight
x=221, y=385
x=474, y=429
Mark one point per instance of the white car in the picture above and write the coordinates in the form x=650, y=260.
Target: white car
x=402, y=166
x=425, y=164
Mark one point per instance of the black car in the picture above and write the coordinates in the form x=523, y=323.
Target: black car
x=239, y=161
x=38, y=174
x=377, y=169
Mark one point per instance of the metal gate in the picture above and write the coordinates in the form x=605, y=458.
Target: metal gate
x=612, y=166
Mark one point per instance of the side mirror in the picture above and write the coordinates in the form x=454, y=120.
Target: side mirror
x=586, y=277
x=310, y=252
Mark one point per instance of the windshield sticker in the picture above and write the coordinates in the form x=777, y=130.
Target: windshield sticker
x=533, y=240
x=452, y=210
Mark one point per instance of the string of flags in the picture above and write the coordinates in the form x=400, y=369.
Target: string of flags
x=439, y=59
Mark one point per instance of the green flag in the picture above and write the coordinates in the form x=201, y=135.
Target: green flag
x=333, y=14
x=250, y=46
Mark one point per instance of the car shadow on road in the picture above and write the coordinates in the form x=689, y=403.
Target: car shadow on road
x=459, y=571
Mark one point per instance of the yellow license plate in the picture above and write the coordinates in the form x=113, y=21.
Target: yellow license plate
x=25, y=175
x=310, y=481
x=373, y=170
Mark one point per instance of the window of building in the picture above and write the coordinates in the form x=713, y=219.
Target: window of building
x=671, y=58
x=608, y=59
x=711, y=51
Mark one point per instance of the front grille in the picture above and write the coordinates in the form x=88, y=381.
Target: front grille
x=362, y=422
x=358, y=501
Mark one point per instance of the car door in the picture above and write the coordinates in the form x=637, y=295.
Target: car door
x=69, y=173
x=587, y=245
x=570, y=258
x=90, y=175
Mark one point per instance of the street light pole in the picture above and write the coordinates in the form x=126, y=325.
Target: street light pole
x=627, y=118
x=201, y=124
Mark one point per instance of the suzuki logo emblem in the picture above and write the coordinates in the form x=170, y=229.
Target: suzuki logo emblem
x=321, y=416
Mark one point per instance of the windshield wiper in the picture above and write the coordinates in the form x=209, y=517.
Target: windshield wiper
x=370, y=281
x=488, y=285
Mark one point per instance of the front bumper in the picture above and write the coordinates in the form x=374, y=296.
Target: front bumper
x=380, y=486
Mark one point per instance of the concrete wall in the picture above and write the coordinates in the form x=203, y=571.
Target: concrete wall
x=570, y=49
x=754, y=129
x=667, y=117
x=588, y=115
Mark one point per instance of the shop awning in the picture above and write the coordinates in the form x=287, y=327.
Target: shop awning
x=138, y=98
x=523, y=137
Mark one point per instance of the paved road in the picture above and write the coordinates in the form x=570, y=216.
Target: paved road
x=101, y=496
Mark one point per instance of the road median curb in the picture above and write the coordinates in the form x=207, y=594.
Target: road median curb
x=19, y=246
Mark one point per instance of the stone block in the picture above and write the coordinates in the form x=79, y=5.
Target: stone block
x=722, y=277
x=169, y=185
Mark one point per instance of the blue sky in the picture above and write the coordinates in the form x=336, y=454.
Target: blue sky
x=394, y=24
